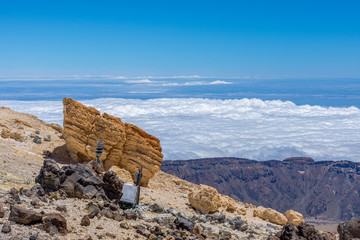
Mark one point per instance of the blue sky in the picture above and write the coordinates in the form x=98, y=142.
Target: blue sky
x=267, y=39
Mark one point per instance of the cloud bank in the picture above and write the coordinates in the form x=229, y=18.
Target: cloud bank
x=250, y=128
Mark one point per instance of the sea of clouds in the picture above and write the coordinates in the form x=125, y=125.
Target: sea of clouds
x=249, y=128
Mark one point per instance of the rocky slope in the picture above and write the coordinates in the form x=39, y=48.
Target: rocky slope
x=324, y=189
x=63, y=209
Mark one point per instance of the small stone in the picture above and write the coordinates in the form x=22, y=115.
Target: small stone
x=85, y=221
x=107, y=213
x=32, y=135
x=117, y=216
x=61, y=208
x=152, y=237
x=6, y=228
x=124, y=225
x=35, y=201
x=37, y=132
x=110, y=235
x=34, y=236
x=154, y=207
x=46, y=153
x=141, y=229
x=54, y=223
x=221, y=218
x=130, y=214
x=2, y=211
x=47, y=138
x=184, y=224
x=113, y=207
x=37, y=139
x=156, y=230
x=99, y=227
x=13, y=191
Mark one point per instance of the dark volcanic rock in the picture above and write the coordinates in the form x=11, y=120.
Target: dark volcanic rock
x=54, y=223
x=349, y=230
x=184, y=224
x=85, y=221
x=49, y=177
x=325, y=188
x=2, y=211
x=6, y=228
x=79, y=180
x=303, y=231
x=112, y=185
x=24, y=216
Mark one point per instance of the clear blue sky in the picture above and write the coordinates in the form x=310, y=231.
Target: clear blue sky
x=271, y=39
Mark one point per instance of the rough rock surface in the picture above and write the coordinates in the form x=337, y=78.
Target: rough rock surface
x=206, y=199
x=270, y=214
x=294, y=217
x=303, y=231
x=349, y=230
x=24, y=216
x=79, y=180
x=54, y=224
x=125, y=145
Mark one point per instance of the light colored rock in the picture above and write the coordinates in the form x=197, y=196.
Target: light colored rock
x=294, y=217
x=206, y=199
x=241, y=211
x=125, y=145
x=270, y=214
x=122, y=174
x=230, y=203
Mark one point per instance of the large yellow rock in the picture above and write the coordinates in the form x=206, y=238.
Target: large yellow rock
x=294, y=217
x=270, y=214
x=125, y=145
x=206, y=199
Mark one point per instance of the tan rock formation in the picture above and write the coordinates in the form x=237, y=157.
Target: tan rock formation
x=125, y=145
x=270, y=214
x=206, y=199
x=294, y=217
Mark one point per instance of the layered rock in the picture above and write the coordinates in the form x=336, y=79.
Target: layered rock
x=125, y=145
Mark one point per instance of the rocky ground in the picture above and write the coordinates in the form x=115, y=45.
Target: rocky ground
x=26, y=212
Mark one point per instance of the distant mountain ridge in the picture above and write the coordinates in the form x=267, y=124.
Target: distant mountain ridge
x=323, y=189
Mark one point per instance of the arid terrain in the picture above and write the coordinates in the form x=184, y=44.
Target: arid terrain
x=169, y=206
x=325, y=190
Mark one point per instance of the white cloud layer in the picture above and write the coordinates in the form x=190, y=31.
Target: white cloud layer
x=250, y=128
x=197, y=83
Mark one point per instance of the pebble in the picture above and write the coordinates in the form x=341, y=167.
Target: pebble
x=85, y=221
x=6, y=228
x=124, y=225
x=2, y=211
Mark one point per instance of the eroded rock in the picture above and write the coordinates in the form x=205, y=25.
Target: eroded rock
x=24, y=216
x=349, y=230
x=270, y=214
x=206, y=199
x=125, y=145
x=294, y=217
x=54, y=223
